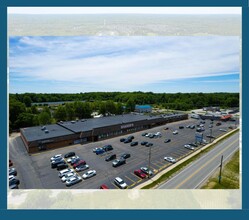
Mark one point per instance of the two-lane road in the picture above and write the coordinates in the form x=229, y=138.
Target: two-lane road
x=196, y=173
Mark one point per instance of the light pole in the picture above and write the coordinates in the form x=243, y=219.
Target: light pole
x=149, y=161
x=220, y=168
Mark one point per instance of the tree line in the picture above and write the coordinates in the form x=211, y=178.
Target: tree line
x=22, y=113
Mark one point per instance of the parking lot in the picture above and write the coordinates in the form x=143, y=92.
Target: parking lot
x=39, y=173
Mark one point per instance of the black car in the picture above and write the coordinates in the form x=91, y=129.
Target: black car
x=118, y=162
x=192, y=127
x=108, y=147
x=148, y=144
x=131, y=137
x=111, y=157
x=14, y=182
x=181, y=127
x=134, y=143
x=125, y=155
x=14, y=186
x=70, y=154
x=144, y=142
x=167, y=140
x=143, y=134
x=198, y=130
x=55, y=163
x=122, y=139
x=127, y=140
x=151, y=136
x=62, y=166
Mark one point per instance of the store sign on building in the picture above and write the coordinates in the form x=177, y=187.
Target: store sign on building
x=127, y=126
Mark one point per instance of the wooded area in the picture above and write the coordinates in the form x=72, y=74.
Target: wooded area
x=23, y=114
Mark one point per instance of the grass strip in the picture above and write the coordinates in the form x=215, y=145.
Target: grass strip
x=178, y=168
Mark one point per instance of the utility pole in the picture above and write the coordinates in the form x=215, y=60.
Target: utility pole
x=220, y=168
x=149, y=161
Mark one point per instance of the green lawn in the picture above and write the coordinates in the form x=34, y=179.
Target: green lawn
x=230, y=176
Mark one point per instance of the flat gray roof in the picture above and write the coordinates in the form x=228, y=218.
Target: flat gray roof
x=36, y=133
x=89, y=124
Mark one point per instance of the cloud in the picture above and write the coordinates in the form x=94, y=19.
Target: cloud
x=121, y=63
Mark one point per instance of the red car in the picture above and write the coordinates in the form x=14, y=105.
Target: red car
x=81, y=162
x=10, y=163
x=140, y=173
x=103, y=186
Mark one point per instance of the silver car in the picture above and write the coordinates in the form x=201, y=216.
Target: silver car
x=73, y=180
x=189, y=147
x=82, y=167
x=67, y=176
x=89, y=174
x=170, y=159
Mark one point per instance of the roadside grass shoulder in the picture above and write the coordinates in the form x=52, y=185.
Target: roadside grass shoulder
x=230, y=176
x=181, y=166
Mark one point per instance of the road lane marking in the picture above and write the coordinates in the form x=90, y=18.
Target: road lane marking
x=198, y=170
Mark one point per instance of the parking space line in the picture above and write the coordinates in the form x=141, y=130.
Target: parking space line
x=136, y=176
x=160, y=162
x=114, y=185
x=130, y=179
x=154, y=163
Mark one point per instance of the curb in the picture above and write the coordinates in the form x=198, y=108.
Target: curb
x=157, y=176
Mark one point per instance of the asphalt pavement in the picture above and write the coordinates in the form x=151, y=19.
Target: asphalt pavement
x=199, y=171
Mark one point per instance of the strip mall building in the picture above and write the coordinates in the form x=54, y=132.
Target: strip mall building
x=90, y=130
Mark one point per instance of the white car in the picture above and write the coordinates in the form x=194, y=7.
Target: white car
x=147, y=135
x=189, y=147
x=67, y=176
x=73, y=180
x=64, y=172
x=175, y=132
x=82, y=167
x=120, y=183
x=170, y=159
x=89, y=174
x=221, y=129
x=11, y=177
x=70, y=159
x=158, y=134
x=55, y=157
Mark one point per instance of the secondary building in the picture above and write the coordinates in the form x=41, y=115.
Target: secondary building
x=143, y=108
x=90, y=130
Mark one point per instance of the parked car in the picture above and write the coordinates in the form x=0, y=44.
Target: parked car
x=103, y=186
x=120, y=183
x=10, y=163
x=149, y=144
x=62, y=166
x=125, y=155
x=166, y=128
x=122, y=139
x=81, y=162
x=167, y=140
x=170, y=159
x=70, y=154
x=144, y=142
x=13, y=186
x=110, y=157
x=12, y=171
x=100, y=151
x=151, y=135
x=193, y=144
x=158, y=134
x=89, y=174
x=55, y=157
x=108, y=147
x=72, y=159
x=82, y=167
x=73, y=180
x=134, y=143
x=140, y=173
x=55, y=163
x=188, y=126
x=175, y=132
x=131, y=137
x=224, y=130
x=198, y=129
x=118, y=162
x=181, y=127
x=67, y=176
x=189, y=147
x=14, y=182
x=147, y=171
x=75, y=160
x=127, y=140
x=192, y=127
x=218, y=124
x=64, y=172
x=94, y=149
x=143, y=134
x=210, y=126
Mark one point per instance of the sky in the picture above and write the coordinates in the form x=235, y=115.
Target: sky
x=107, y=63
x=119, y=10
